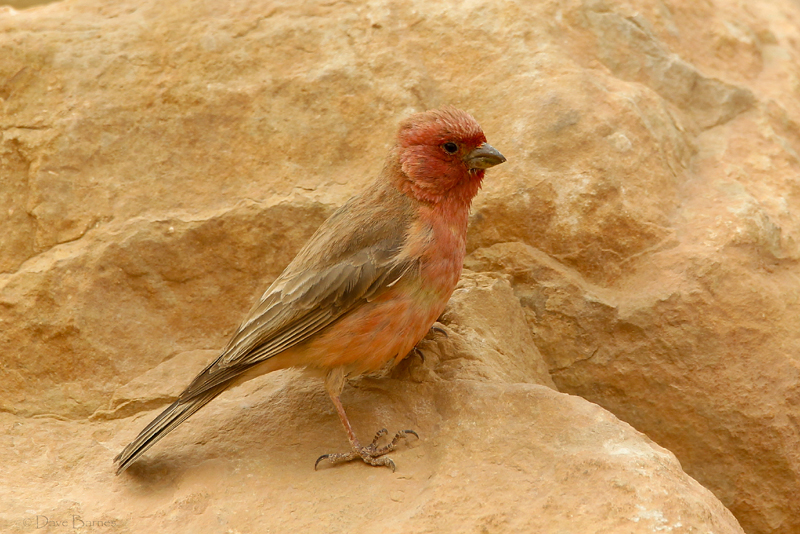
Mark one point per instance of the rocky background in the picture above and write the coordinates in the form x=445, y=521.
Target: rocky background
x=631, y=299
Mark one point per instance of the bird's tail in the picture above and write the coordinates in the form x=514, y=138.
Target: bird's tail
x=175, y=414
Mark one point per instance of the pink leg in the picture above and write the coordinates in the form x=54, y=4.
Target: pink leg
x=371, y=454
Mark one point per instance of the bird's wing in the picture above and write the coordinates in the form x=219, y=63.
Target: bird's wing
x=298, y=306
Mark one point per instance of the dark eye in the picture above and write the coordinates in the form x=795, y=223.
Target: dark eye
x=450, y=148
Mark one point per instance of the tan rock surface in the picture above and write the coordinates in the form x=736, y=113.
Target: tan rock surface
x=499, y=452
x=492, y=458
x=683, y=322
x=154, y=154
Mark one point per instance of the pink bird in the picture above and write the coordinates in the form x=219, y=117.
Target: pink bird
x=368, y=285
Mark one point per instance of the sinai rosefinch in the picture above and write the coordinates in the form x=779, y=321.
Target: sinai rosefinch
x=367, y=286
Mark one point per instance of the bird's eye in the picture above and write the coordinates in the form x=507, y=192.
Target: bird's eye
x=450, y=148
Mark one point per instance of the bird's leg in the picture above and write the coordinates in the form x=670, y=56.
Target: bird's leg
x=371, y=454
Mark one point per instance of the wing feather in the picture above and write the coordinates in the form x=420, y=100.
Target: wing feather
x=300, y=307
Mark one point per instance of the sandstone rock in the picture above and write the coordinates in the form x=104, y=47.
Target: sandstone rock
x=154, y=154
x=688, y=331
x=492, y=339
x=629, y=49
x=493, y=456
x=498, y=451
x=121, y=301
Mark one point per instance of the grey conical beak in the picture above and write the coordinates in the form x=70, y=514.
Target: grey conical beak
x=483, y=157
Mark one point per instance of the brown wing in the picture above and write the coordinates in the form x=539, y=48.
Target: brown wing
x=300, y=303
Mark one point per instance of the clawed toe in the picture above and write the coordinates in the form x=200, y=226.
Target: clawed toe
x=441, y=330
x=367, y=455
x=416, y=350
x=371, y=454
x=373, y=448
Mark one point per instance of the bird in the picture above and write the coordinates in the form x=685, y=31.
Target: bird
x=367, y=286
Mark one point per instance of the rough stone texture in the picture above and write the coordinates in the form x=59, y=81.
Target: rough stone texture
x=500, y=451
x=494, y=457
x=154, y=154
x=664, y=283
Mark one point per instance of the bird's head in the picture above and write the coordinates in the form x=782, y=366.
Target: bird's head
x=443, y=153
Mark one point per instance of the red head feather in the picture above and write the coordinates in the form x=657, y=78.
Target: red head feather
x=432, y=169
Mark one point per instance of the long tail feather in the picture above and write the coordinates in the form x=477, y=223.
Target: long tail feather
x=162, y=425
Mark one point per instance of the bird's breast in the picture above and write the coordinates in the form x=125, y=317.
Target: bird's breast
x=440, y=246
x=387, y=327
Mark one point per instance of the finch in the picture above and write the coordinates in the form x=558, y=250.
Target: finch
x=368, y=285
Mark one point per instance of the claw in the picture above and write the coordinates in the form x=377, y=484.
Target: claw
x=441, y=330
x=408, y=432
x=416, y=350
x=323, y=457
x=371, y=454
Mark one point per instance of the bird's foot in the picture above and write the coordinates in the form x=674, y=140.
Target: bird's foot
x=371, y=454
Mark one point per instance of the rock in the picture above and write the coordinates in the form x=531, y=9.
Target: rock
x=121, y=301
x=493, y=455
x=486, y=335
x=154, y=155
x=629, y=49
x=666, y=290
x=498, y=451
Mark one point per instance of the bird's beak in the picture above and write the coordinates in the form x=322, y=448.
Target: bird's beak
x=483, y=157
